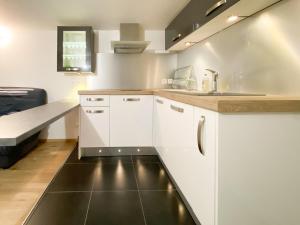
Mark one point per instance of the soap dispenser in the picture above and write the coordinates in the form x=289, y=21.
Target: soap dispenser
x=205, y=83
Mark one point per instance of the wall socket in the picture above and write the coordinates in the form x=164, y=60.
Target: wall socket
x=164, y=81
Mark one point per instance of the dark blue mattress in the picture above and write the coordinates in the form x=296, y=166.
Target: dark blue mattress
x=12, y=100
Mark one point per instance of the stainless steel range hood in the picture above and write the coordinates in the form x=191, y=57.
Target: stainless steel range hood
x=132, y=41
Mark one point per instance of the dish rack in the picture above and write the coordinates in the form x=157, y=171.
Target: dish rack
x=183, y=78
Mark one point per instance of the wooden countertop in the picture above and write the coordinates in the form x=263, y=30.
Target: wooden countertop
x=117, y=92
x=222, y=104
x=18, y=126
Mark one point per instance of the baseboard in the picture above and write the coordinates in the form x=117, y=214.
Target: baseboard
x=118, y=151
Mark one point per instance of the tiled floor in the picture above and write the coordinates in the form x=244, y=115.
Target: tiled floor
x=129, y=190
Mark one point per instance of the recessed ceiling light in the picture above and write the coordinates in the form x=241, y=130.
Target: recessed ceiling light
x=188, y=44
x=232, y=18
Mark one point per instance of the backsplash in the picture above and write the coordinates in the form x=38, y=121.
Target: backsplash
x=260, y=54
x=132, y=70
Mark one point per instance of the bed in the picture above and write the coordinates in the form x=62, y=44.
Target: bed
x=13, y=100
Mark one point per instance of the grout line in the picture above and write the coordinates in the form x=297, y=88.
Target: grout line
x=93, y=163
x=89, y=203
x=61, y=192
x=165, y=190
x=139, y=192
x=126, y=190
x=131, y=190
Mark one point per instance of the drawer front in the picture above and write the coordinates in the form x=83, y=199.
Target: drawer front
x=94, y=100
x=94, y=127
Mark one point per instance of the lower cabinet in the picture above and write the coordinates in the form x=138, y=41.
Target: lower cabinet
x=94, y=127
x=200, y=187
x=185, y=138
x=131, y=120
x=231, y=168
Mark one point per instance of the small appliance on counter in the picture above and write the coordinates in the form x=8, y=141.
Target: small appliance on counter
x=183, y=78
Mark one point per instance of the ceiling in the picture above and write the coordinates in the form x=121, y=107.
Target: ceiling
x=101, y=14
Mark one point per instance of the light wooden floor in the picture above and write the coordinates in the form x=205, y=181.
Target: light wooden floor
x=22, y=185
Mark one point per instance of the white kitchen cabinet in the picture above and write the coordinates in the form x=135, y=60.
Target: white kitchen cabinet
x=180, y=132
x=200, y=185
x=160, y=123
x=247, y=162
x=177, y=138
x=131, y=120
x=94, y=127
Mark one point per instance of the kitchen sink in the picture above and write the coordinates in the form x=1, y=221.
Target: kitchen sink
x=199, y=93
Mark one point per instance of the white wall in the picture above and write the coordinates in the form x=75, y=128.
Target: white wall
x=30, y=60
x=260, y=54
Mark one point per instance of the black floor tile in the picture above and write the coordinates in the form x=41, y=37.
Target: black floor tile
x=145, y=159
x=74, y=177
x=115, y=208
x=118, y=176
x=152, y=176
x=61, y=209
x=165, y=208
x=73, y=158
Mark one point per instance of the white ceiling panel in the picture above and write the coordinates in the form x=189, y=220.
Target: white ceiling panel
x=101, y=14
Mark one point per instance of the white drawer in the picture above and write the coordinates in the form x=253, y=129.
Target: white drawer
x=94, y=100
x=94, y=127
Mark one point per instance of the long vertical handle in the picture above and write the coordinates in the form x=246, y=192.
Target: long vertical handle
x=200, y=134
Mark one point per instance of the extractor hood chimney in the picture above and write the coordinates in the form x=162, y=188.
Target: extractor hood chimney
x=132, y=41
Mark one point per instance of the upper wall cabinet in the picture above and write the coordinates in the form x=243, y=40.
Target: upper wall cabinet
x=203, y=18
x=75, y=49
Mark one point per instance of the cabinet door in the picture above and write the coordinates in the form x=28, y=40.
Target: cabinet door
x=94, y=127
x=193, y=16
x=201, y=186
x=160, y=124
x=131, y=120
x=75, y=49
x=177, y=140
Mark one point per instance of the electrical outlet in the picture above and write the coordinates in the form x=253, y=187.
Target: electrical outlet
x=164, y=81
x=170, y=81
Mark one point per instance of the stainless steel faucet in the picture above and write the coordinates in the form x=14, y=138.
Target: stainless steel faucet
x=214, y=75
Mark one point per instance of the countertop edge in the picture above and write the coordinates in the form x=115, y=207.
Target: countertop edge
x=220, y=104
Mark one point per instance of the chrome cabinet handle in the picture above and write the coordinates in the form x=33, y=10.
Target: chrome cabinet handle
x=200, y=134
x=95, y=99
x=73, y=69
x=159, y=101
x=177, y=109
x=131, y=99
x=176, y=38
x=215, y=7
x=94, y=111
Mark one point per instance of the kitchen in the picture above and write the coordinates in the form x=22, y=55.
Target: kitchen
x=184, y=116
